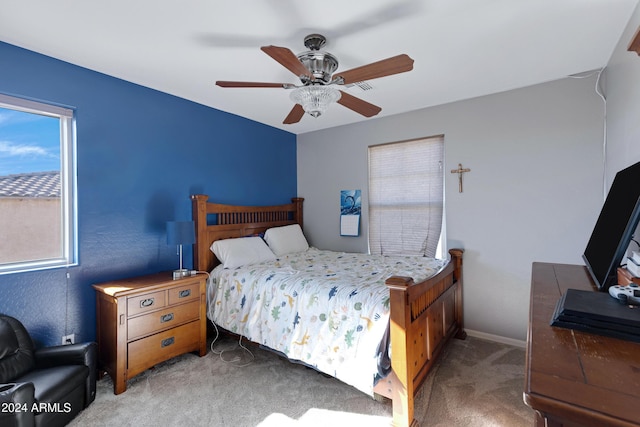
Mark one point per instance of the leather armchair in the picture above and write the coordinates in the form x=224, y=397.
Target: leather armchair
x=43, y=387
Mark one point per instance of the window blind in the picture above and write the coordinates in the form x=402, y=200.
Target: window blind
x=406, y=193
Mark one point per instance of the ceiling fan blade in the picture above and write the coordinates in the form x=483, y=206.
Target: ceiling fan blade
x=386, y=67
x=223, y=83
x=295, y=115
x=358, y=105
x=288, y=60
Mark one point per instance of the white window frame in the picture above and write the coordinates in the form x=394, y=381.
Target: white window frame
x=68, y=184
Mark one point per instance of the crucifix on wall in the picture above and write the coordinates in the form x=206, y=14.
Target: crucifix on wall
x=460, y=171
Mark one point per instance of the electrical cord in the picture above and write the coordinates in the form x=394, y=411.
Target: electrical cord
x=604, y=138
x=233, y=361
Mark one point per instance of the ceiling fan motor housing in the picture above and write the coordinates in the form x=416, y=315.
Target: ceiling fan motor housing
x=321, y=64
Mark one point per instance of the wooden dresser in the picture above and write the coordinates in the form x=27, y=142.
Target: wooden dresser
x=574, y=378
x=145, y=320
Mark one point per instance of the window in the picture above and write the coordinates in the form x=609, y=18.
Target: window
x=37, y=186
x=406, y=194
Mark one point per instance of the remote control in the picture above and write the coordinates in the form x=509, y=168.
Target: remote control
x=626, y=294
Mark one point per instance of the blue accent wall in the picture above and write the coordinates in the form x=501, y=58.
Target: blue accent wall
x=141, y=154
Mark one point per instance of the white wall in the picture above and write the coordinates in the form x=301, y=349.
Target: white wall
x=623, y=103
x=533, y=193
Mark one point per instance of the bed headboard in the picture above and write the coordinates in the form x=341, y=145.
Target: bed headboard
x=231, y=221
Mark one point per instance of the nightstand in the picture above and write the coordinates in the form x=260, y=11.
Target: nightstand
x=145, y=320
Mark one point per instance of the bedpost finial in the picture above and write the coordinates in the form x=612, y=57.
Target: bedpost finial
x=200, y=197
x=456, y=252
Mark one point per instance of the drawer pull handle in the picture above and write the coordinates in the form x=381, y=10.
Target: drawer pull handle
x=147, y=302
x=167, y=342
x=166, y=318
x=184, y=293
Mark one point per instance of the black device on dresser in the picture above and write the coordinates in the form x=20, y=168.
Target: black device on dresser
x=614, y=228
x=615, y=311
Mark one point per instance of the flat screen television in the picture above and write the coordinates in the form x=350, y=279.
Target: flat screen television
x=614, y=228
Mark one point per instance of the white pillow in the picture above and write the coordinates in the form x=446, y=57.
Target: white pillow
x=286, y=240
x=234, y=253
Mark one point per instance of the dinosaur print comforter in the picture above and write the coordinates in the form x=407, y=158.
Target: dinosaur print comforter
x=326, y=309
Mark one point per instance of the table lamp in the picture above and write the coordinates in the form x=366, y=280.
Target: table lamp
x=180, y=233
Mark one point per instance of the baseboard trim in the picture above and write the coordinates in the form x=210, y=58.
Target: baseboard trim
x=496, y=338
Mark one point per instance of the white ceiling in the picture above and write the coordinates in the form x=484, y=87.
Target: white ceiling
x=462, y=48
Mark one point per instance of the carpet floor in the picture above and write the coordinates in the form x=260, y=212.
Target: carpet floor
x=475, y=383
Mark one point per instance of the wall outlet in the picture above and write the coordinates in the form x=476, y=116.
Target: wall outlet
x=68, y=339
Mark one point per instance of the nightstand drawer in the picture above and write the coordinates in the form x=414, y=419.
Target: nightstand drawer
x=146, y=302
x=165, y=345
x=184, y=293
x=163, y=319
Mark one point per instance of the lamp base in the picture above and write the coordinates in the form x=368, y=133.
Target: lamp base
x=179, y=274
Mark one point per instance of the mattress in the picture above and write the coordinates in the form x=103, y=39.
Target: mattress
x=326, y=309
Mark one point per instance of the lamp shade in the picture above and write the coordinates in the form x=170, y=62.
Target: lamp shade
x=180, y=233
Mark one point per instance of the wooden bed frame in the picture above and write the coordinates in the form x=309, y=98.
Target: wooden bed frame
x=423, y=315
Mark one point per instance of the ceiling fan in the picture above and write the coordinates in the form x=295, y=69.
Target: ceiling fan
x=315, y=69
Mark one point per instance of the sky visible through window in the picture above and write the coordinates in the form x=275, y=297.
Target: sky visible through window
x=28, y=142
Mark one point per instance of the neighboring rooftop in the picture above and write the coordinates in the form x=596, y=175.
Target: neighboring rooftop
x=32, y=184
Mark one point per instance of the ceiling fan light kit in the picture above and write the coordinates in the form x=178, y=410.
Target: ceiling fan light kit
x=315, y=99
x=316, y=70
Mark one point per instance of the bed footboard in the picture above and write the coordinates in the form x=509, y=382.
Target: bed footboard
x=423, y=317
